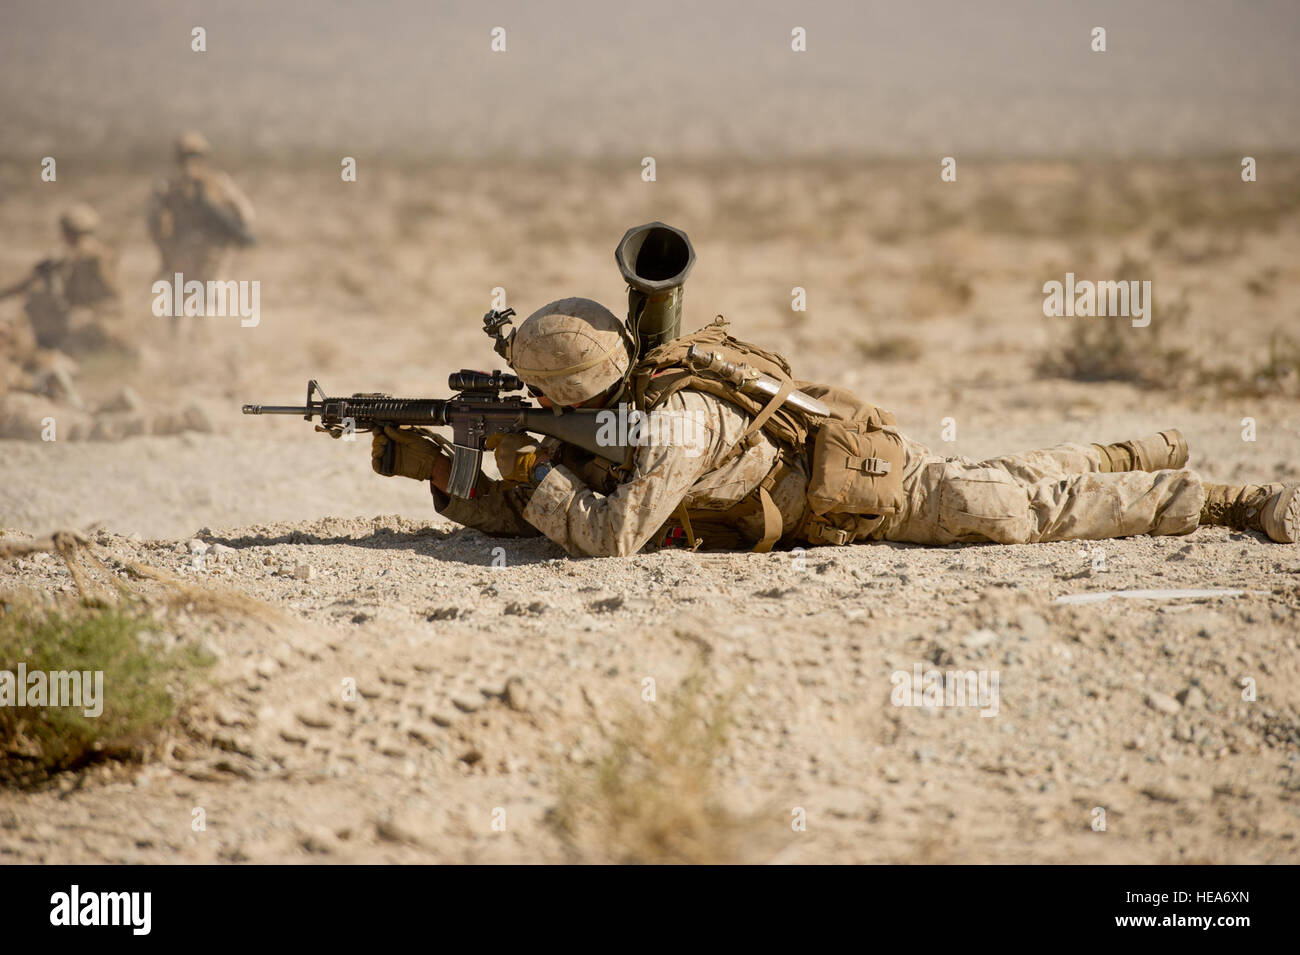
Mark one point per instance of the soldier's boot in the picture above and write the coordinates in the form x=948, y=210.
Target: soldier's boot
x=1166, y=450
x=1271, y=508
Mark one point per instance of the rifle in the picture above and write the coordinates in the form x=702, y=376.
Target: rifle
x=42, y=271
x=474, y=414
x=230, y=226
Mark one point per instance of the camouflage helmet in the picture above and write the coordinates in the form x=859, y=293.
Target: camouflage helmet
x=79, y=219
x=571, y=350
x=192, y=143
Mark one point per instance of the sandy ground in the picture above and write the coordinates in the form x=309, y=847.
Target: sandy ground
x=490, y=673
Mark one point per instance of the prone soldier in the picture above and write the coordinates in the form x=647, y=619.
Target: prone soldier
x=735, y=470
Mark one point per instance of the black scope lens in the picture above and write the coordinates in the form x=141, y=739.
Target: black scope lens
x=468, y=380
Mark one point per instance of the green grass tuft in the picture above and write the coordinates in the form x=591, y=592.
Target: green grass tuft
x=144, y=687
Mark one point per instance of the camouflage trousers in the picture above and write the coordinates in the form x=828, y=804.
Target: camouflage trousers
x=1049, y=495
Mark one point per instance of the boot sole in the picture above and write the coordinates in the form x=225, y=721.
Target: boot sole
x=1281, y=517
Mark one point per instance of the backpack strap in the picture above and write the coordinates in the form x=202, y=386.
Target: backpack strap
x=750, y=434
x=684, y=518
x=772, y=523
x=758, y=500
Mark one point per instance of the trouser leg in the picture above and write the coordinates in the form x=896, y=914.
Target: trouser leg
x=1020, y=499
x=1030, y=467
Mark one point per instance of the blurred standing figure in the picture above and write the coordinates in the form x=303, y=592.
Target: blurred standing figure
x=197, y=216
x=69, y=296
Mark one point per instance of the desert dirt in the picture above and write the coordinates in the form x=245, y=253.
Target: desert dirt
x=495, y=676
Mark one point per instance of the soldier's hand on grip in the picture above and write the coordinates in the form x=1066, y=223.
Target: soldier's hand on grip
x=516, y=456
x=394, y=451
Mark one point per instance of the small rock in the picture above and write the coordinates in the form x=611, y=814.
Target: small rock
x=125, y=400
x=424, y=735
x=318, y=840
x=196, y=419
x=979, y=638
x=233, y=768
x=391, y=830
x=222, y=549
x=229, y=717
x=197, y=547
x=1161, y=793
x=1191, y=697
x=315, y=720
x=1032, y=625
x=516, y=694
x=465, y=703
x=1163, y=703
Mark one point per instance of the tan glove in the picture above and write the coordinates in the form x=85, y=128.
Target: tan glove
x=413, y=454
x=516, y=455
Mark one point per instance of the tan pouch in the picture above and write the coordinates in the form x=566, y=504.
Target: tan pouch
x=857, y=468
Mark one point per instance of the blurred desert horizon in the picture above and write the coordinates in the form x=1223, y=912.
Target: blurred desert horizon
x=672, y=79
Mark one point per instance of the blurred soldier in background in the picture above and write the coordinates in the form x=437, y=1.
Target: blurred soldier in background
x=71, y=297
x=66, y=298
x=197, y=216
x=72, y=308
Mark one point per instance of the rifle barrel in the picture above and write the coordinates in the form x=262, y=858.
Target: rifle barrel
x=275, y=409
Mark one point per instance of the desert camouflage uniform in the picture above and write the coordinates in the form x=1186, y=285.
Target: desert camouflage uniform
x=194, y=219
x=1057, y=494
x=1054, y=494
x=68, y=297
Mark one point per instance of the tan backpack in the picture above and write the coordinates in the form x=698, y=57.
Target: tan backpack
x=855, y=463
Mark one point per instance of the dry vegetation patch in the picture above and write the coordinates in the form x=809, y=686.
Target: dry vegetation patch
x=655, y=795
x=98, y=684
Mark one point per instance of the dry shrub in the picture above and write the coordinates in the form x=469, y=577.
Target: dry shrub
x=890, y=348
x=654, y=795
x=1276, y=373
x=144, y=687
x=1109, y=348
x=939, y=289
x=206, y=599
